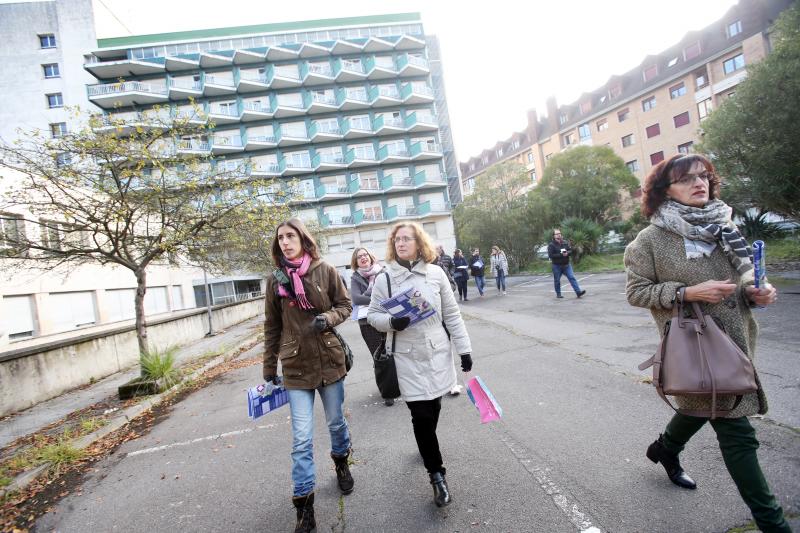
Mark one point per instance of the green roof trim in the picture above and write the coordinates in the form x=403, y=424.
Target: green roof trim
x=140, y=40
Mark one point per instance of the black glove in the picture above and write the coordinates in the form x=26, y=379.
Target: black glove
x=399, y=324
x=320, y=323
x=276, y=380
x=466, y=362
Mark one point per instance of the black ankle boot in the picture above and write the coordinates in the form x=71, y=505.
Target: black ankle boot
x=658, y=453
x=441, y=494
x=343, y=475
x=305, y=513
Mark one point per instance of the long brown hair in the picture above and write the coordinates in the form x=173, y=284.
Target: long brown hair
x=661, y=176
x=306, y=240
x=424, y=243
x=354, y=258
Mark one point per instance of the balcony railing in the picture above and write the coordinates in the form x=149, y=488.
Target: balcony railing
x=124, y=87
x=331, y=159
x=256, y=107
x=225, y=111
x=421, y=178
x=265, y=168
x=324, y=99
x=360, y=154
x=367, y=185
x=325, y=189
x=351, y=66
x=193, y=145
x=328, y=128
x=324, y=70
x=386, y=121
x=189, y=85
x=361, y=216
x=419, y=148
x=390, y=182
x=215, y=80
x=234, y=141
x=393, y=150
x=258, y=78
x=261, y=139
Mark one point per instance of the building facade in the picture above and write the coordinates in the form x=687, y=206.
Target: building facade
x=656, y=109
x=348, y=114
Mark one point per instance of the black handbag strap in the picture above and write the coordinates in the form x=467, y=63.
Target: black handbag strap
x=389, y=289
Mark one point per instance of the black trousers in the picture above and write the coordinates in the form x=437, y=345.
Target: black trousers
x=425, y=418
x=462, y=287
x=371, y=336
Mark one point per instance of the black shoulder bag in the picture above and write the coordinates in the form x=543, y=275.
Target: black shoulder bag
x=383, y=362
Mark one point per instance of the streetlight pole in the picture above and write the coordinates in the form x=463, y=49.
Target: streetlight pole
x=208, y=304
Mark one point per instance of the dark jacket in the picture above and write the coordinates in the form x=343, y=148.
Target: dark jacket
x=477, y=271
x=360, y=291
x=460, y=273
x=445, y=262
x=554, y=251
x=309, y=359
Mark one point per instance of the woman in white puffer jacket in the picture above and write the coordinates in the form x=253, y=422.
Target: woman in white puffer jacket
x=423, y=352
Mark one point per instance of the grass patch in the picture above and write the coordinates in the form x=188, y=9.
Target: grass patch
x=780, y=250
x=89, y=425
x=599, y=263
x=159, y=365
x=5, y=481
x=59, y=454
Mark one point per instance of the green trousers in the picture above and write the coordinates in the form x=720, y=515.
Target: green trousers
x=737, y=441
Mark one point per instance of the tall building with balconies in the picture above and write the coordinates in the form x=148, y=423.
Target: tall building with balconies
x=343, y=111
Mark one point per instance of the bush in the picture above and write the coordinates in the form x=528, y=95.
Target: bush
x=159, y=365
x=755, y=226
x=583, y=235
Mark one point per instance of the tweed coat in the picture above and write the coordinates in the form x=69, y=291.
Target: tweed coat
x=423, y=354
x=657, y=266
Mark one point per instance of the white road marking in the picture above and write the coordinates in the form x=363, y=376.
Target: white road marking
x=199, y=439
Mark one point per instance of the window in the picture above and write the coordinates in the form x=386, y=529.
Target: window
x=471, y=166
x=562, y=118
x=499, y=152
x=685, y=148
x=533, y=176
x=623, y=115
x=47, y=40
x=19, y=316
x=704, y=108
x=12, y=231
x=55, y=100
x=633, y=166
x=676, y=91
x=50, y=70
x=515, y=144
x=602, y=125
x=586, y=107
x=584, y=132
x=672, y=62
x=648, y=103
x=615, y=90
x=73, y=310
x=653, y=130
x=338, y=243
x=119, y=304
x=691, y=51
x=733, y=64
x=627, y=140
x=155, y=301
x=430, y=228
x=681, y=120
x=650, y=72
x=63, y=159
x=530, y=157
x=568, y=139
x=734, y=28
x=58, y=129
x=656, y=158
x=700, y=80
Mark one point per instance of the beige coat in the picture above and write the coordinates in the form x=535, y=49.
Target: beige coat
x=657, y=266
x=423, y=354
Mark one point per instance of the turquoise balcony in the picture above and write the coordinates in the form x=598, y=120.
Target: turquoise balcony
x=402, y=212
x=377, y=71
x=265, y=169
x=359, y=157
x=325, y=131
x=218, y=85
x=256, y=110
x=358, y=187
x=328, y=161
x=354, y=128
x=372, y=217
x=352, y=98
x=316, y=73
x=327, y=191
x=421, y=121
x=408, y=65
x=423, y=181
x=250, y=81
x=291, y=136
x=216, y=58
x=336, y=221
x=194, y=146
x=226, y=144
x=110, y=95
x=386, y=125
x=227, y=114
x=282, y=79
x=260, y=142
x=425, y=150
x=416, y=94
x=295, y=166
x=431, y=209
x=316, y=102
x=289, y=108
x=393, y=153
x=384, y=96
x=345, y=70
x=184, y=88
x=390, y=183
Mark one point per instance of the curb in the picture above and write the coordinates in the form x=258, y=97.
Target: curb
x=128, y=415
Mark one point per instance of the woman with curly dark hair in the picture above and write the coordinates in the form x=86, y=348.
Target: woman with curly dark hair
x=693, y=249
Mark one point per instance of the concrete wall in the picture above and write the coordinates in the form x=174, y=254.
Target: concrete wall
x=32, y=375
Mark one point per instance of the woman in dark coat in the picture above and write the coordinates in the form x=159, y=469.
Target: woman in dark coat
x=460, y=274
x=692, y=244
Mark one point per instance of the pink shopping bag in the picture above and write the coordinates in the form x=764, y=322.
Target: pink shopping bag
x=484, y=400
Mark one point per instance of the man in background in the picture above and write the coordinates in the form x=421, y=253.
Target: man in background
x=559, y=251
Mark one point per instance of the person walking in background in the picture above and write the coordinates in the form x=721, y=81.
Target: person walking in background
x=477, y=267
x=499, y=268
x=423, y=352
x=305, y=299
x=365, y=269
x=461, y=275
x=559, y=251
x=446, y=262
x=692, y=244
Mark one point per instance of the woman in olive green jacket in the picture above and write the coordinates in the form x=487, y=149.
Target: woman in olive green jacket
x=693, y=244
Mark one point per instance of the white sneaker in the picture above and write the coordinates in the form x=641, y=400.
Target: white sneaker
x=504, y=293
x=455, y=391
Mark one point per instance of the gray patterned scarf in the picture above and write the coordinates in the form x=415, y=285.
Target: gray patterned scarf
x=712, y=225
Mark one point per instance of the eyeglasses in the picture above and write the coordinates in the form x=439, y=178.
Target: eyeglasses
x=398, y=240
x=688, y=179
x=362, y=256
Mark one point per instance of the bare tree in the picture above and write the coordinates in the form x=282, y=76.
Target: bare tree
x=128, y=192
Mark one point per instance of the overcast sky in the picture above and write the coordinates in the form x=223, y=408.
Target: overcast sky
x=500, y=59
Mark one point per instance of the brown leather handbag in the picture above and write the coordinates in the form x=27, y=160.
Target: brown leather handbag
x=697, y=358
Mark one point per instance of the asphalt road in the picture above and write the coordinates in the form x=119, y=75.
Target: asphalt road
x=567, y=456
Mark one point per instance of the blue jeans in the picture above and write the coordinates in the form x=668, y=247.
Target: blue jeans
x=560, y=270
x=480, y=283
x=301, y=404
x=500, y=278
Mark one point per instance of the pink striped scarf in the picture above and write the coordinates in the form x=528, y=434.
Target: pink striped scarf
x=296, y=270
